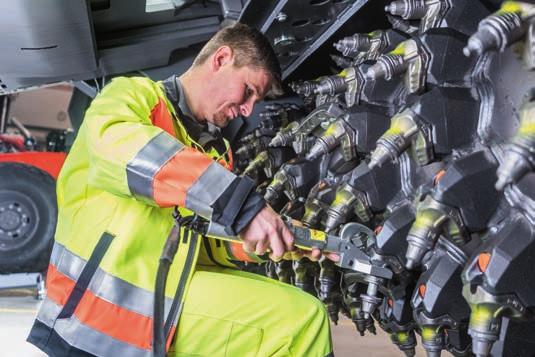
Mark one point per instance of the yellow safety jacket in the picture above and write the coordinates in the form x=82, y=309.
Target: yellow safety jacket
x=131, y=163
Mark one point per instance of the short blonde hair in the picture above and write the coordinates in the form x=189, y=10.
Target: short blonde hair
x=251, y=48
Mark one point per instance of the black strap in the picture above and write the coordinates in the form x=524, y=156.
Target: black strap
x=185, y=236
x=85, y=277
x=228, y=206
x=254, y=204
x=176, y=306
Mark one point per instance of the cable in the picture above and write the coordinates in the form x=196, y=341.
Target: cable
x=97, y=85
x=166, y=259
x=190, y=224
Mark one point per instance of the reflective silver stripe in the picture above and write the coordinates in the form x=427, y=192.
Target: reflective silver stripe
x=57, y=250
x=124, y=294
x=70, y=264
x=207, y=189
x=141, y=170
x=216, y=230
x=87, y=339
x=65, y=262
x=68, y=329
x=48, y=312
x=108, y=287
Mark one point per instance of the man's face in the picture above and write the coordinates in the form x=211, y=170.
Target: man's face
x=233, y=91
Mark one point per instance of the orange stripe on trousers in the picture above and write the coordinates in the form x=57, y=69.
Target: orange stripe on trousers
x=115, y=321
x=101, y=315
x=58, y=285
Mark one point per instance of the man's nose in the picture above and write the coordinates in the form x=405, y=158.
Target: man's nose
x=246, y=108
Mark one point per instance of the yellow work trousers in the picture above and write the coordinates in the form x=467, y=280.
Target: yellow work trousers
x=234, y=313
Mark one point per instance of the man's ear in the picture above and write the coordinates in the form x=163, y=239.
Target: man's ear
x=221, y=57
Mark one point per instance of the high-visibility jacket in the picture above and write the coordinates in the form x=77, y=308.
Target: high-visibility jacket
x=131, y=163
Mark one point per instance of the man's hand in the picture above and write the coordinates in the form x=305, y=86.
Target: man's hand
x=267, y=231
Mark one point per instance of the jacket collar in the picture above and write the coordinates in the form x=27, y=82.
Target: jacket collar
x=206, y=134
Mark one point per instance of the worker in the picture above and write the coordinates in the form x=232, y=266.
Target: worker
x=145, y=147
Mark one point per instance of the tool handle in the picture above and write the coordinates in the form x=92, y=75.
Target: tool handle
x=304, y=238
x=351, y=257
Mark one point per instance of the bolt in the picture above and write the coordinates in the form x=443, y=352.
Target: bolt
x=281, y=17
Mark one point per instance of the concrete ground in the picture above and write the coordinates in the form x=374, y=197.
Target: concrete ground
x=18, y=308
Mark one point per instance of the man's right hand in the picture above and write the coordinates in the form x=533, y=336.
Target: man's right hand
x=267, y=231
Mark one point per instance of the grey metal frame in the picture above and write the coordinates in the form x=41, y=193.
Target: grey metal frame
x=298, y=28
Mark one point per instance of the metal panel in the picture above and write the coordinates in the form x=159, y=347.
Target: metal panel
x=121, y=15
x=45, y=39
x=57, y=40
x=297, y=28
x=151, y=47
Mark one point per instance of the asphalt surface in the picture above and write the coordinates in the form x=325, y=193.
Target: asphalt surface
x=18, y=308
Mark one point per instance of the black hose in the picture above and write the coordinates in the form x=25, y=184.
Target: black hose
x=166, y=259
x=158, y=341
x=190, y=223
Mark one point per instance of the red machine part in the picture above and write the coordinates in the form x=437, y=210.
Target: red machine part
x=50, y=162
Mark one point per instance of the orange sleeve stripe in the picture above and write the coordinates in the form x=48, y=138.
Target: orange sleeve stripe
x=172, y=181
x=161, y=117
